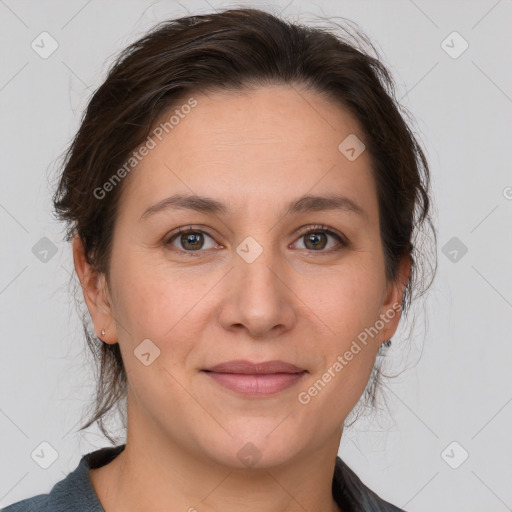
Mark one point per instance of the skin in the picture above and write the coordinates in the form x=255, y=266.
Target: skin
x=255, y=151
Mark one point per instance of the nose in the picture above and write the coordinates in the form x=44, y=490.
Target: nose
x=258, y=298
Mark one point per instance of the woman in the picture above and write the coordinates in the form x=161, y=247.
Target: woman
x=241, y=197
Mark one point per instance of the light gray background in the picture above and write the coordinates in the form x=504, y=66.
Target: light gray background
x=457, y=385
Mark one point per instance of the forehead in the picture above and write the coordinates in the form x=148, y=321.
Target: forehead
x=253, y=149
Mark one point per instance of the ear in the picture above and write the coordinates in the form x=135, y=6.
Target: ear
x=391, y=309
x=96, y=294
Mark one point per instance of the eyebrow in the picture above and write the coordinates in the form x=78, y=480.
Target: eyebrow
x=306, y=203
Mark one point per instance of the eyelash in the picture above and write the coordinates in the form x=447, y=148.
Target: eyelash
x=311, y=229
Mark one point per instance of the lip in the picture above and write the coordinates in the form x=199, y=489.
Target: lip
x=242, y=366
x=256, y=379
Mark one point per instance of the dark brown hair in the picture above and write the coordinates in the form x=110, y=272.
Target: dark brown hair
x=233, y=50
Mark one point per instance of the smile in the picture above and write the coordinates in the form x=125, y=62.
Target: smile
x=256, y=385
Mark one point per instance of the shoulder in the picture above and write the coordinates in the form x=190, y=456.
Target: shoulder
x=37, y=503
x=61, y=498
x=352, y=494
x=74, y=493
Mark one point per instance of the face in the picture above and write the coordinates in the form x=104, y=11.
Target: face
x=259, y=275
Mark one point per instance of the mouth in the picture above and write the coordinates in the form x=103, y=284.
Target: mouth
x=256, y=379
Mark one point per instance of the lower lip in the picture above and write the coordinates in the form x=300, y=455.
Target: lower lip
x=256, y=385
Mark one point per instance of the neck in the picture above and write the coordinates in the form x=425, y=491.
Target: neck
x=155, y=472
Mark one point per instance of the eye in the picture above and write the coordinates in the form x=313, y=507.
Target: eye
x=188, y=239
x=316, y=239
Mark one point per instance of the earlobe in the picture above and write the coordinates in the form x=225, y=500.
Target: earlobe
x=95, y=293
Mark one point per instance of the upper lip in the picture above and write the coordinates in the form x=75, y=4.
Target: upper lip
x=250, y=368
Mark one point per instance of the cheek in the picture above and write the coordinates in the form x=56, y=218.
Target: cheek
x=348, y=356
x=348, y=306
x=156, y=307
x=171, y=308
x=347, y=300
x=153, y=300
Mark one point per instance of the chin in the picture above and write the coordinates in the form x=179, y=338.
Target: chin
x=259, y=445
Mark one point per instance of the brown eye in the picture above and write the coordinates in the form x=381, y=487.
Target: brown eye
x=190, y=240
x=316, y=239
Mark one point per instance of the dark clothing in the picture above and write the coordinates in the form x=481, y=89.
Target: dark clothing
x=75, y=492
